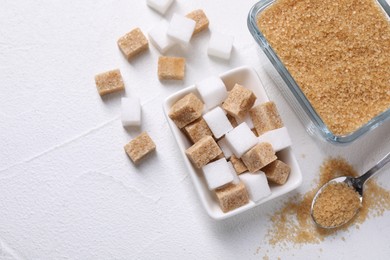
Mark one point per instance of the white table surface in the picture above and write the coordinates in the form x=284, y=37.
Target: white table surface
x=68, y=190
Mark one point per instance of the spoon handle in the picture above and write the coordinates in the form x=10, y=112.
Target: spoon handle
x=375, y=169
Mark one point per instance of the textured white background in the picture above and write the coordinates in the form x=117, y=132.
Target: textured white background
x=67, y=189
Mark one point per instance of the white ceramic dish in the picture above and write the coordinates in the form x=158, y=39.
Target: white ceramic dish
x=248, y=78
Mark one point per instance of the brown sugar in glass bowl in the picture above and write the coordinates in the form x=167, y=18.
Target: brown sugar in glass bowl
x=337, y=54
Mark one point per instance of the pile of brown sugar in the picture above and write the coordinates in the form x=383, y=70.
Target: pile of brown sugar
x=336, y=204
x=338, y=52
x=293, y=224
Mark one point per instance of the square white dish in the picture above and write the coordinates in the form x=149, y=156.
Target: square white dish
x=248, y=78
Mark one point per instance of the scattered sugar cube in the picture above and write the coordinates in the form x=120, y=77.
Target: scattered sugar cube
x=220, y=45
x=218, y=122
x=238, y=164
x=131, y=112
x=197, y=130
x=109, y=82
x=236, y=180
x=202, y=22
x=217, y=174
x=158, y=37
x=265, y=117
x=133, y=43
x=160, y=6
x=232, y=120
x=140, y=147
x=213, y=91
x=180, y=29
x=277, y=172
x=232, y=196
x=203, y=151
x=171, y=68
x=259, y=156
x=239, y=101
x=241, y=139
x=278, y=138
x=257, y=185
x=227, y=152
x=186, y=110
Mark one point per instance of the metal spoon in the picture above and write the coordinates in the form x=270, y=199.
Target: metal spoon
x=356, y=183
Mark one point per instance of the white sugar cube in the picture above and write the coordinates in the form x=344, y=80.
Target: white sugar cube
x=241, y=139
x=213, y=91
x=227, y=152
x=217, y=174
x=160, y=6
x=158, y=37
x=256, y=184
x=131, y=111
x=236, y=179
x=218, y=122
x=220, y=45
x=248, y=120
x=278, y=138
x=180, y=29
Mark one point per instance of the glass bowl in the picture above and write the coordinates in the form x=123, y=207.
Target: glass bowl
x=293, y=93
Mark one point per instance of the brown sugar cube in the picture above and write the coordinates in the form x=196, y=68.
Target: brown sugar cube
x=140, y=147
x=259, y=156
x=232, y=196
x=186, y=110
x=265, y=117
x=203, y=151
x=197, y=130
x=109, y=82
x=232, y=120
x=133, y=43
x=238, y=164
x=171, y=68
x=239, y=101
x=202, y=22
x=277, y=172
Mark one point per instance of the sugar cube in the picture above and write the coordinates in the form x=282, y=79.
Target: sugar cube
x=241, y=139
x=220, y=45
x=213, y=91
x=277, y=172
x=180, y=29
x=227, y=152
x=160, y=6
x=171, y=68
x=257, y=185
x=197, y=130
x=265, y=117
x=202, y=22
x=131, y=111
x=186, y=110
x=109, y=82
x=236, y=180
x=239, y=101
x=140, y=147
x=217, y=174
x=238, y=164
x=232, y=196
x=133, y=43
x=259, y=156
x=278, y=138
x=158, y=37
x=203, y=151
x=218, y=122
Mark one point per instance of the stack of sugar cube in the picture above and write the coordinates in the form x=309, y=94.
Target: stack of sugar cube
x=238, y=160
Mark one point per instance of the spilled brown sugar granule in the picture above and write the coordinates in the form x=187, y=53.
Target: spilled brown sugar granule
x=293, y=224
x=336, y=204
x=338, y=52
